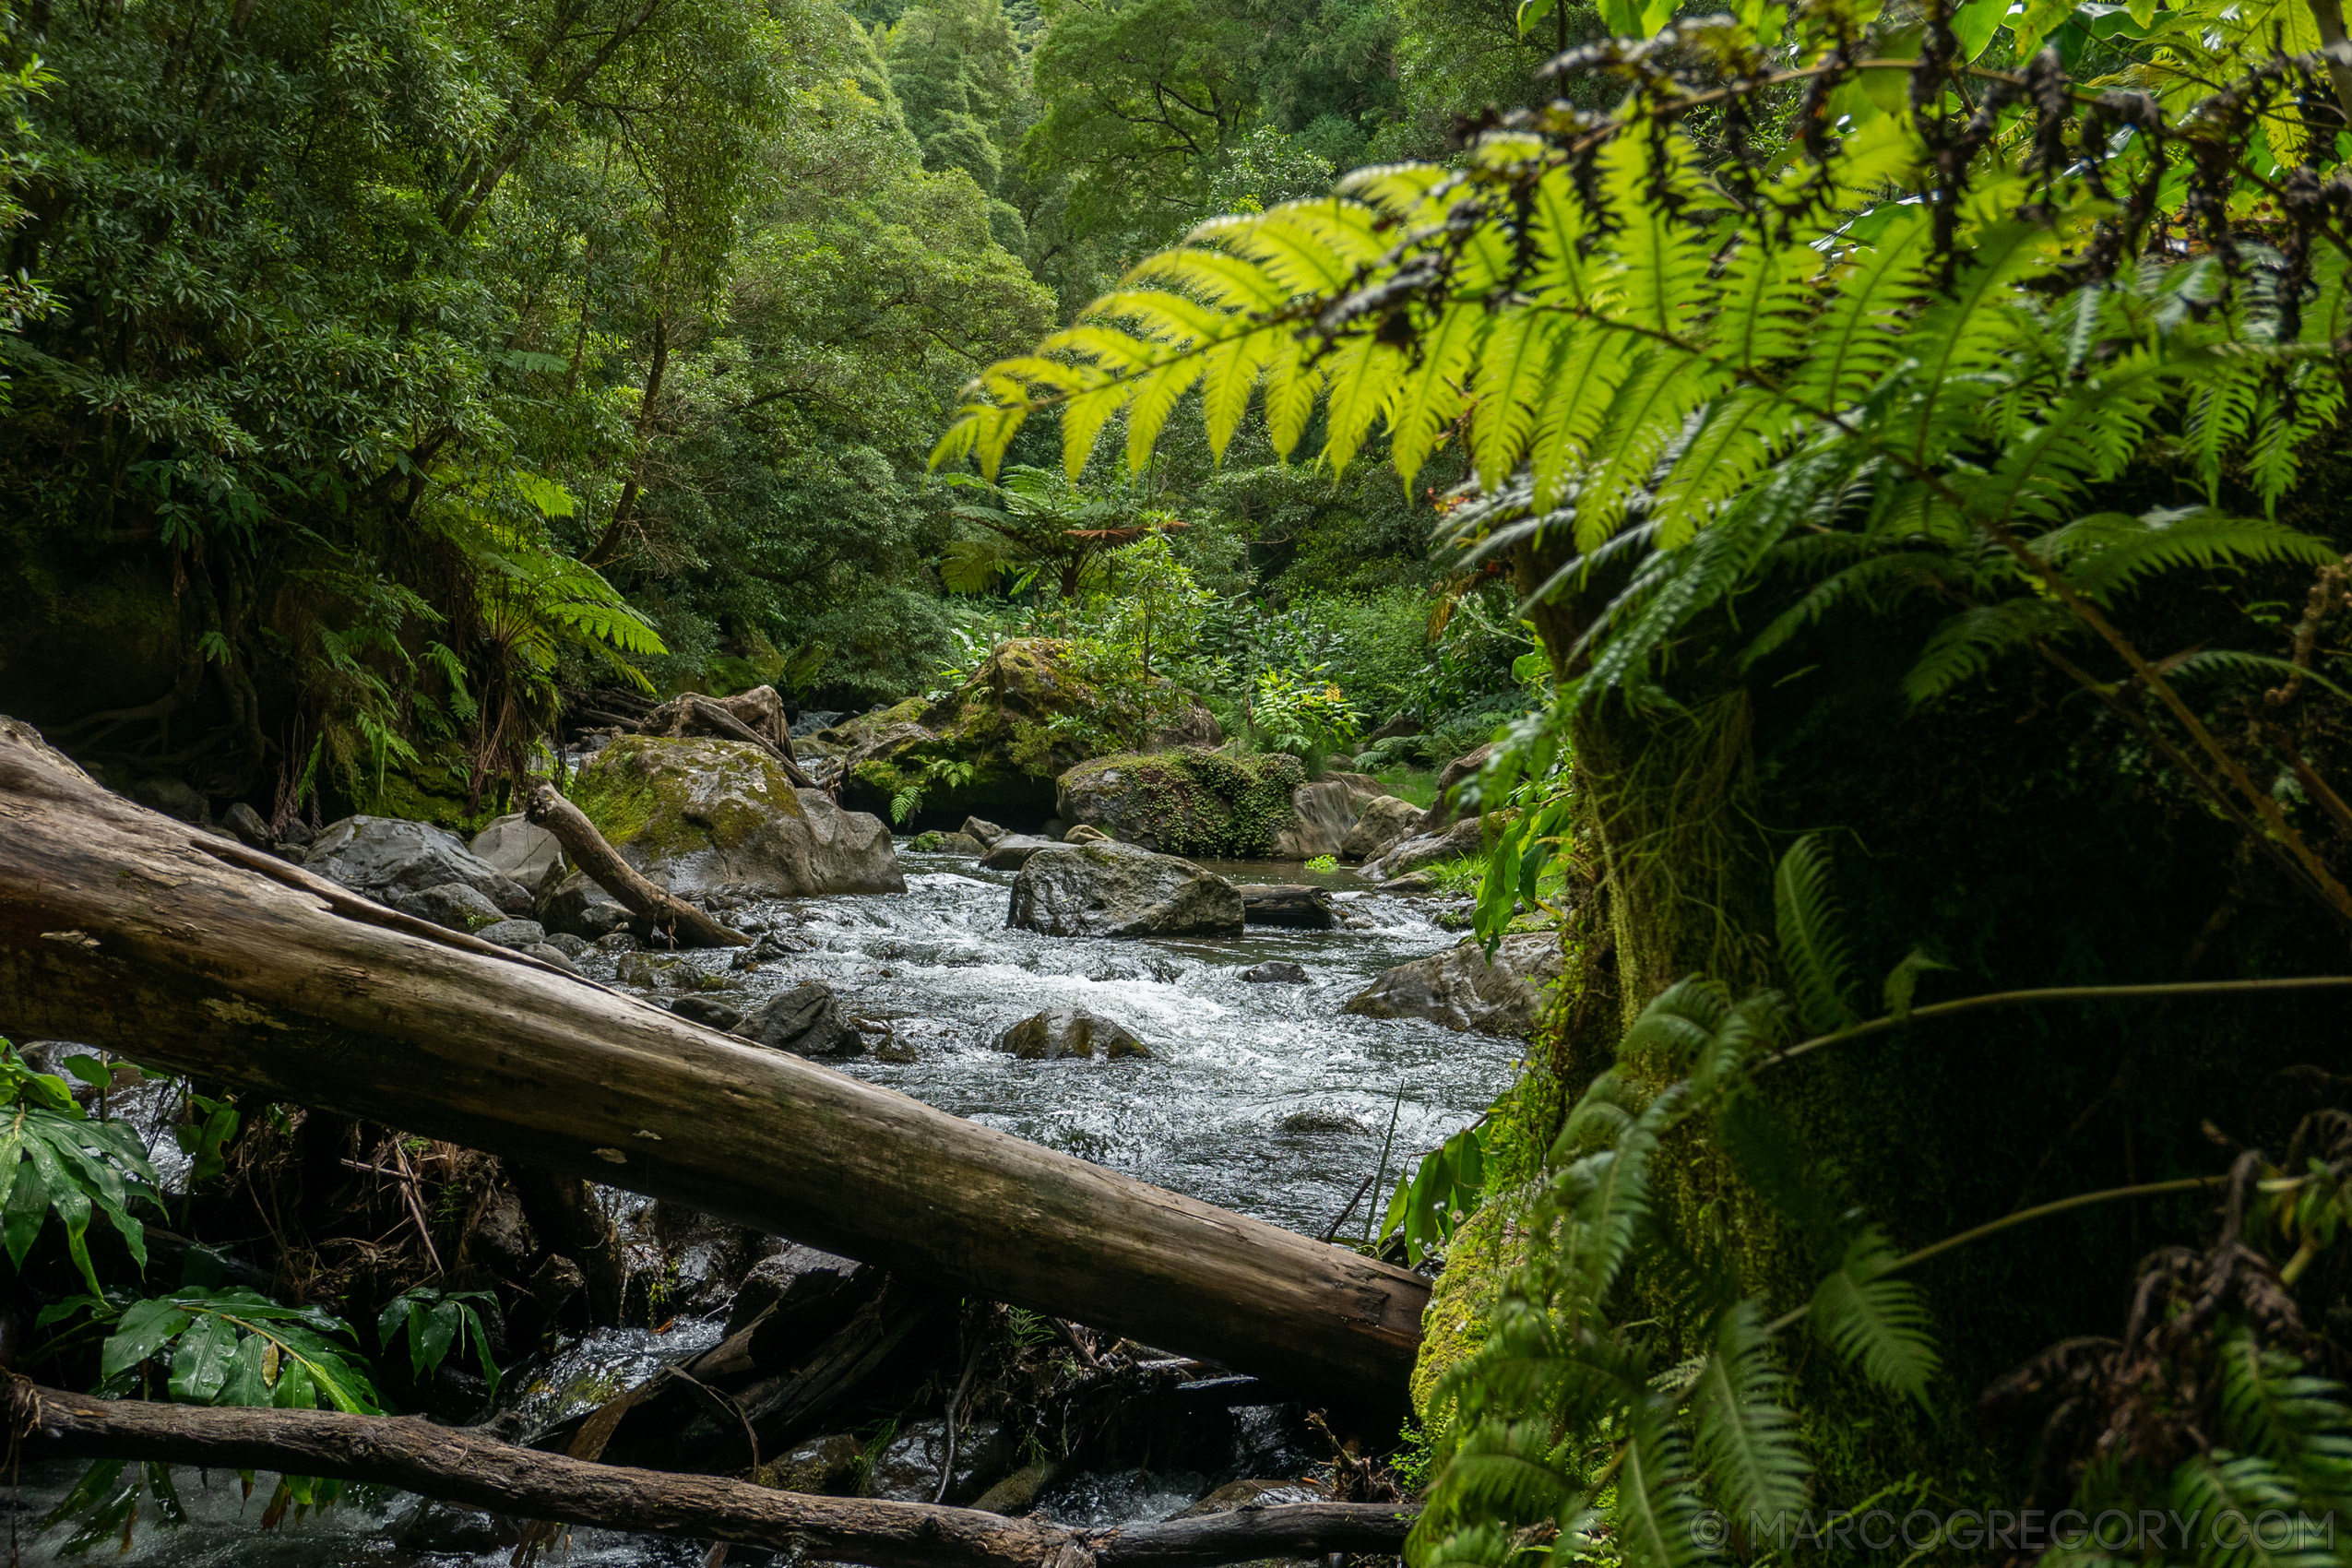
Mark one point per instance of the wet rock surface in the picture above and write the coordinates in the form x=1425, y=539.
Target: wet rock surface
x=1460, y=988
x=1464, y=838
x=806, y=1020
x=385, y=857
x=1121, y=890
x=707, y=816
x=1071, y=1032
x=452, y=904
x=1277, y=972
x=1385, y=822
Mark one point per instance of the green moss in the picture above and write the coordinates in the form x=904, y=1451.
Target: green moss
x=1484, y=1250
x=637, y=791
x=1214, y=805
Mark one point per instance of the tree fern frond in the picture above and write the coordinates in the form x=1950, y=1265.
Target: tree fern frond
x=1293, y=380
x=1875, y=1322
x=1748, y=1444
x=1963, y=333
x=1647, y=415
x=1516, y=359
x=1364, y=374
x=1232, y=374
x=2108, y=553
x=1154, y=398
x=1431, y=393
x=1856, y=339
x=1591, y=365
x=1738, y=437
x=1813, y=946
x=1879, y=583
x=1965, y=645
x=1656, y=1508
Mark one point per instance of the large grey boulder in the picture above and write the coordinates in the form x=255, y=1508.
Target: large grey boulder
x=703, y=816
x=1459, y=989
x=1466, y=837
x=1385, y=822
x=1114, y=889
x=514, y=846
x=385, y=857
x=1066, y=1032
x=986, y=832
x=1322, y=815
x=806, y=1020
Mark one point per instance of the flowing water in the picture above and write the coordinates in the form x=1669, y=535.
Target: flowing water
x=1261, y=1097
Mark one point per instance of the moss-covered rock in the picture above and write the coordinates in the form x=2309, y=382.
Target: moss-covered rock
x=1191, y=801
x=996, y=744
x=707, y=816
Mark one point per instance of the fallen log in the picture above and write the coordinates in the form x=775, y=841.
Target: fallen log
x=734, y=719
x=602, y=864
x=127, y=930
x=455, y=1466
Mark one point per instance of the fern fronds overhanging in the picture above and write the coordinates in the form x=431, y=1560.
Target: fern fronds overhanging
x=1928, y=327
x=1571, y=1421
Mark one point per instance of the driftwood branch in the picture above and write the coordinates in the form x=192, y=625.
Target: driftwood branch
x=130, y=932
x=603, y=866
x=727, y=720
x=459, y=1466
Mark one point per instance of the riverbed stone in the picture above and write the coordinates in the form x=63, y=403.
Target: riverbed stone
x=1385, y=822
x=983, y=832
x=514, y=846
x=383, y=857
x=709, y=817
x=1275, y=971
x=710, y=1013
x=548, y=953
x=578, y=905
x=1460, y=988
x=1465, y=837
x=246, y=825
x=806, y=1020
x=1187, y=801
x=1086, y=832
x=1121, y=890
x=1070, y=1032
x=1013, y=851
x=514, y=933
x=1297, y=906
x=1322, y=815
x=452, y=905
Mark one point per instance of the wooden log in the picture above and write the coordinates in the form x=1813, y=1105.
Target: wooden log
x=127, y=929
x=756, y=717
x=602, y=864
x=458, y=1467
x=1305, y=907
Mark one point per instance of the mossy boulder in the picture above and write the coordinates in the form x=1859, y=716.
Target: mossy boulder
x=1024, y=718
x=720, y=816
x=1190, y=802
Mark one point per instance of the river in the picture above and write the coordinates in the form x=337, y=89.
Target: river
x=1261, y=1097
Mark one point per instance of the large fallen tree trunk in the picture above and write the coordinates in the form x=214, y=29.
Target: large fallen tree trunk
x=480, y=1472
x=127, y=930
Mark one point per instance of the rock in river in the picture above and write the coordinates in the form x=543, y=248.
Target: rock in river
x=1116, y=889
x=806, y=1020
x=1386, y=821
x=452, y=904
x=1275, y=971
x=703, y=817
x=1465, y=837
x=1012, y=852
x=1459, y=989
x=385, y=857
x=1049, y=1037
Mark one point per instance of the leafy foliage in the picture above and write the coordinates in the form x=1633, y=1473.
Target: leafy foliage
x=54, y=1158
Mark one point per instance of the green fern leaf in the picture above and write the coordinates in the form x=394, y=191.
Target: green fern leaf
x=1431, y=393
x=1814, y=946
x=1877, y=1322
x=1748, y=1444
x=1965, y=645
x=1657, y=1511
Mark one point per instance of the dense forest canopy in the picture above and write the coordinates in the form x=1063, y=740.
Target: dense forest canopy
x=372, y=377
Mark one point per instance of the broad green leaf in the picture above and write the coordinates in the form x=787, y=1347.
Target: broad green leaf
x=200, y=1359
